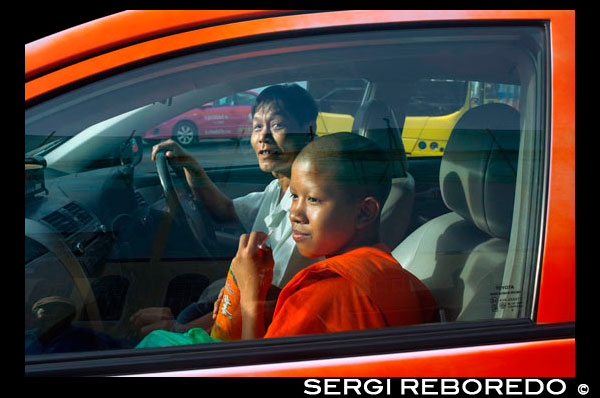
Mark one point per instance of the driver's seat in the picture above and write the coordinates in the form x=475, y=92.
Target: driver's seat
x=376, y=121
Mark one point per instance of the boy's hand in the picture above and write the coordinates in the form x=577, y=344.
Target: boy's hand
x=153, y=318
x=253, y=267
x=253, y=271
x=146, y=316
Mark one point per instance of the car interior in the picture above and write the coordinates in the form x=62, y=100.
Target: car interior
x=477, y=181
x=101, y=240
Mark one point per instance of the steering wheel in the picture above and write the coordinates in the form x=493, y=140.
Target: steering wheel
x=179, y=197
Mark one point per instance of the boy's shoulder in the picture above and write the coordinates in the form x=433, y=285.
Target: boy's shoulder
x=368, y=265
x=380, y=277
x=364, y=260
x=396, y=291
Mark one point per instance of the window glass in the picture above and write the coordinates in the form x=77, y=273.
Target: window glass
x=435, y=97
x=436, y=105
x=225, y=101
x=109, y=257
x=244, y=99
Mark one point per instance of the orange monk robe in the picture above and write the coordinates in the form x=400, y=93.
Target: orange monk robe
x=364, y=288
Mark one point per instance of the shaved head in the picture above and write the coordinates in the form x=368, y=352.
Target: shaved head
x=352, y=162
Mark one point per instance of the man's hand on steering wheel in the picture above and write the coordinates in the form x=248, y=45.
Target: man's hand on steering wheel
x=179, y=195
x=177, y=157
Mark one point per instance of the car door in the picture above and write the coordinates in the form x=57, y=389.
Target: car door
x=141, y=257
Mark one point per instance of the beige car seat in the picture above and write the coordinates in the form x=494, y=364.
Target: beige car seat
x=461, y=255
x=376, y=121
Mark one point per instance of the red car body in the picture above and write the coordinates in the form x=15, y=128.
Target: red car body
x=226, y=118
x=67, y=59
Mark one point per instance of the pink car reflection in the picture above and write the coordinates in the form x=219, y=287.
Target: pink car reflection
x=228, y=117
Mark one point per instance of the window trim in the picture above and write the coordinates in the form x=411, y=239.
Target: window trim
x=290, y=349
x=305, y=32
x=546, y=105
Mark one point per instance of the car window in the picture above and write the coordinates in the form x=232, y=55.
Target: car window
x=436, y=97
x=446, y=105
x=244, y=99
x=436, y=105
x=225, y=101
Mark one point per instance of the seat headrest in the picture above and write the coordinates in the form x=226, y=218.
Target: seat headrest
x=479, y=167
x=376, y=121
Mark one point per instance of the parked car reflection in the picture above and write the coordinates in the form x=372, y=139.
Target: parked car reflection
x=228, y=117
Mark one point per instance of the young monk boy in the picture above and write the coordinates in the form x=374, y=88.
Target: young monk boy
x=338, y=186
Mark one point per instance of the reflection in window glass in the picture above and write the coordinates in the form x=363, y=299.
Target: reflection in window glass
x=434, y=97
x=111, y=258
x=435, y=107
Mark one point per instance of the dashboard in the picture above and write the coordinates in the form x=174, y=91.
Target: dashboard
x=72, y=228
